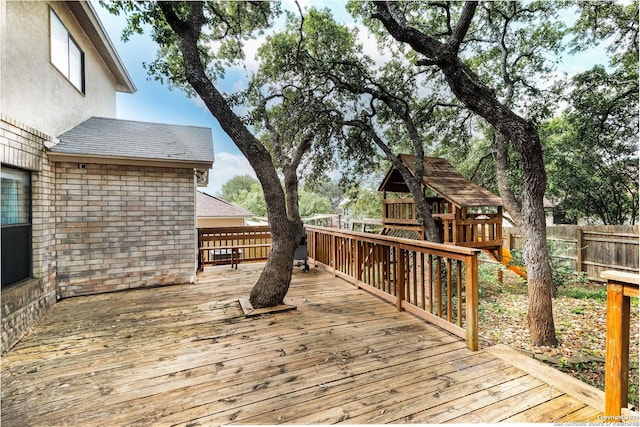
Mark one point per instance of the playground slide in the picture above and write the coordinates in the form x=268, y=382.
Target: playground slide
x=506, y=261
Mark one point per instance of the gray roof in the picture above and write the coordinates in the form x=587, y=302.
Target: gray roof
x=125, y=139
x=213, y=207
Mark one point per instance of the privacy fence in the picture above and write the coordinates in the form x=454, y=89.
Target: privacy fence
x=591, y=249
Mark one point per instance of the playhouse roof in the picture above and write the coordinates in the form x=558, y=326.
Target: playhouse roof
x=444, y=179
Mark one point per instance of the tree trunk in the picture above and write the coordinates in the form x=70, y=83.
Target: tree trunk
x=274, y=281
x=273, y=284
x=536, y=252
x=481, y=99
x=509, y=200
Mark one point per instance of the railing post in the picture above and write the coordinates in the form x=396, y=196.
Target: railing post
x=617, y=356
x=334, y=261
x=620, y=287
x=400, y=284
x=358, y=269
x=471, y=288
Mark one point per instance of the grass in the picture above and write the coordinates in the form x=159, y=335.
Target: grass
x=582, y=292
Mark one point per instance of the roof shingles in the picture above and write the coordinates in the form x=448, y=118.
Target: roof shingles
x=444, y=179
x=213, y=207
x=105, y=137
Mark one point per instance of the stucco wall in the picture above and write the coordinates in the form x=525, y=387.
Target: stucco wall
x=25, y=302
x=121, y=227
x=26, y=72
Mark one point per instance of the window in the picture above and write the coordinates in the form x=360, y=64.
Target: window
x=15, y=219
x=66, y=55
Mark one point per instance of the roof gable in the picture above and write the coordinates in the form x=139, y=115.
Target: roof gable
x=208, y=206
x=124, y=139
x=445, y=180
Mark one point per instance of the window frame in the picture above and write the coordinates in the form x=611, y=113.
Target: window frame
x=55, y=57
x=20, y=229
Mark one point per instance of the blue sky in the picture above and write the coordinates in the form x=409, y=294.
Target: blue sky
x=154, y=102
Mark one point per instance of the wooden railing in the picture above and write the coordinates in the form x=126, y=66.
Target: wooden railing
x=328, y=220
x=399, y=212
x=438, y=283
x=475, y=231
x=457, y=226
x=230, y=245
x=621, y=287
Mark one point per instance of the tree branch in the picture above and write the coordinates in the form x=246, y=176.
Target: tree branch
x=460, y=30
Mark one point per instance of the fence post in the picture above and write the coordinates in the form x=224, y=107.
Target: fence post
x=579, y=250
x=471, y=289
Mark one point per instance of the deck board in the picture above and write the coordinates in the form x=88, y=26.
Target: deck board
x=186, y=355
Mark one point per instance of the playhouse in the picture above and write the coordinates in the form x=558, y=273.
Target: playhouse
x=466, y=213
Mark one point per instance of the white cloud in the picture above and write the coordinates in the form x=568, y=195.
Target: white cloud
x=226, y=166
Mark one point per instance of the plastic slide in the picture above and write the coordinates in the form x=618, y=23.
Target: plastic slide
x=506, y=261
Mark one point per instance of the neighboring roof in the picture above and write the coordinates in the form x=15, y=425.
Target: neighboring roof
x=91, y=25
x=445, y=180
x=213, y=207
x=115, y=141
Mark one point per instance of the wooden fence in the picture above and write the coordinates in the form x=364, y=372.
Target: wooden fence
x=438, y=283
x=230, y=245
x=591, y=249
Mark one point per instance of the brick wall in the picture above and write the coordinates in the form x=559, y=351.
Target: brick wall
x=121, y=227
x=25, y=302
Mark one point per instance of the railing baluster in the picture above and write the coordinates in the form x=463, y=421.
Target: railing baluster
x=449, y=296
x=430, y=283
x=459, y=291
x=422, y=287
x=400, y=282
x=439, y=284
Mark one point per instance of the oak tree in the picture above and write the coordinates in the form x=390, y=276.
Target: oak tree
x=198, y=40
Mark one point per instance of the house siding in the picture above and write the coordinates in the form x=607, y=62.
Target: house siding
x=26, y=72
x=122, y=227
x=25, y=302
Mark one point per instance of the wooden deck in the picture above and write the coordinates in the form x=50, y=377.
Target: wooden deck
x=186, y=355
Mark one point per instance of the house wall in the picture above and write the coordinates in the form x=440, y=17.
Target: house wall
x=27, y=75
x=121, y=227
x=25, y=302
x=220, y=222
